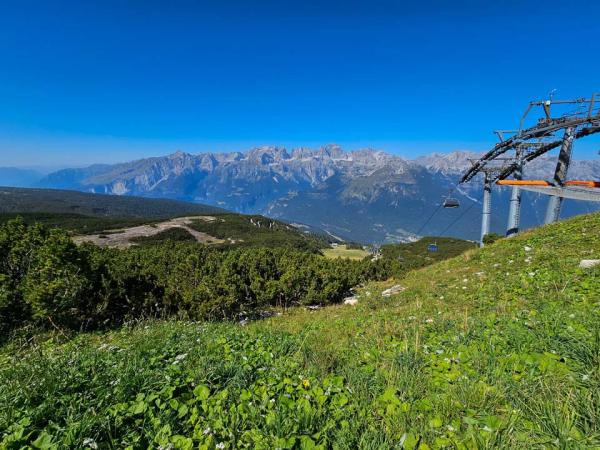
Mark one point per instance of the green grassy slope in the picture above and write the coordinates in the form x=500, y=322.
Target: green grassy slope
x=496, y=348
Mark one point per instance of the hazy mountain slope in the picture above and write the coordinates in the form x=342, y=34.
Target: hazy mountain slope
x=365, y=195
x=12, y=176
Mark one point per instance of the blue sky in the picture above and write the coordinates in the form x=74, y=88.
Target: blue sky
x=104, y=81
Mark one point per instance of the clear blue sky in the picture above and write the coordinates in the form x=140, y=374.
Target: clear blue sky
x=104, y=81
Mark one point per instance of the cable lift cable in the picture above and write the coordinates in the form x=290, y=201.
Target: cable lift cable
x=453, y=202
x=459, y=217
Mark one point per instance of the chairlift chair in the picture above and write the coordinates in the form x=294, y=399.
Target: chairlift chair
x=451, y=203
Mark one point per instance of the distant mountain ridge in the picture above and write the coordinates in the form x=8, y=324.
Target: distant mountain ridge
x=17, y=177
x=364, y=195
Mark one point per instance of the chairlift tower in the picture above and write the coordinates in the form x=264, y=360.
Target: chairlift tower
x=489, y=174
x=533, y=142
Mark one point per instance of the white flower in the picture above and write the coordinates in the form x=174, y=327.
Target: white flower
x=89, y=442
x=429, y=321
x=465, y=280
x=585, y=377
x=180, y=357
x=207, y=430
x=527, y=248
x=488, y=429
x=220, y=445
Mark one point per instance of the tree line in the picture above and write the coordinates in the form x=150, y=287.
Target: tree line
x=47, y=280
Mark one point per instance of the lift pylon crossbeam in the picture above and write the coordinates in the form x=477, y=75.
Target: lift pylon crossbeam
x=531, y=143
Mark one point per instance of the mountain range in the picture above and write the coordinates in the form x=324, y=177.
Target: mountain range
x=364, y=195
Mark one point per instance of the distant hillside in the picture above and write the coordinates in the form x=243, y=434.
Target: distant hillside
x=84, y=213
x=21, y=200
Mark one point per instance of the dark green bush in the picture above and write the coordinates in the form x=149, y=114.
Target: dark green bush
x=490, y=238
x=47, y=280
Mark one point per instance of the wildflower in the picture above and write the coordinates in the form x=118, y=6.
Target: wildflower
x=429, y=321
x=465, y=280
x=305, y=383
x=90, y=443
x=206, y=431
x=220, y=445
x=527, y=248
x=180, y=357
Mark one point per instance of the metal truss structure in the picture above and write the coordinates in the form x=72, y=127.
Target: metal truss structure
x=529, y=143
x=539, y=139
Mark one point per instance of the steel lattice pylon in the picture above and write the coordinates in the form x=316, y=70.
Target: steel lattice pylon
x=531, y=143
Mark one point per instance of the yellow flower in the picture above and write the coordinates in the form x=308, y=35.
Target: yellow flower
x=305, y=383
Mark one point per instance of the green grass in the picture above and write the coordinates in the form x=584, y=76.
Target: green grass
x=342, y=251
x=496, y=348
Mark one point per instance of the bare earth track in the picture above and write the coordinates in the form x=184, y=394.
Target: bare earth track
x=123, y=238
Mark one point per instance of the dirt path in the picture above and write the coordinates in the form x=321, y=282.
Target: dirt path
x=122, y=238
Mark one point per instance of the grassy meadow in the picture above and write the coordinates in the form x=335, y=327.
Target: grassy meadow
x=495, y=348
x=342, y=251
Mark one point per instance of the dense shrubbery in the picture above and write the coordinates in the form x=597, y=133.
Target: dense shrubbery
x=490, y=238
x=258, y=231
x=46, y=279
